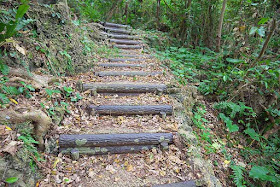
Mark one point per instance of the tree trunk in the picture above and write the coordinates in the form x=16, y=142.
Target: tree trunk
x=220, y=26
x=113, y=9
x=158, y=12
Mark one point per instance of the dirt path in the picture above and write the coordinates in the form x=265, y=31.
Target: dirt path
x=145, y=168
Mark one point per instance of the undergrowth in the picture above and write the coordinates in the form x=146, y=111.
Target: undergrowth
x=246, y=96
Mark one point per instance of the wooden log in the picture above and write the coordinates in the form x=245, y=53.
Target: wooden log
x=179, y=184
x=106, y=140
x=125, y=60
x=117, y=31
x=128, y=46
x=125, y=88
x=126, y=73
x=128, y=37
x=118, y=110
x=108, y=150
x=126, y=42
x=135, y=56
x=122, y=65
x=107, y=24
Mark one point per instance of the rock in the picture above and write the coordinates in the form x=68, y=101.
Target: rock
x=188, y=137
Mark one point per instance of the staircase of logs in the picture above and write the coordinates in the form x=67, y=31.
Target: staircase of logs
x=130, y=45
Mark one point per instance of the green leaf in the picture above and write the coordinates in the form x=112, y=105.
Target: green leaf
x=253, y=30
x=252, y=133
x=231, y=127
x=260, y=172
x=263, y=21
x=234, y=60
x=11, y=180
x=261, y=31
x=22, y=9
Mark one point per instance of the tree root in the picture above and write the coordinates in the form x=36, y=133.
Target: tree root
x=39, y=119
x=37, y=81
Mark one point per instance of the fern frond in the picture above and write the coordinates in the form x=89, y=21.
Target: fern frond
x=238, y=175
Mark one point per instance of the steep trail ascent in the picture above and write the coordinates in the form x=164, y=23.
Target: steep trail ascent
x=127, y=132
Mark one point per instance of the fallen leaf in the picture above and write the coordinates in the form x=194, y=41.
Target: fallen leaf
x=12, y=147
x=20, y=49
x=8, y=128
x=56, y=162
x=162, y=173
x=14, y=101
x=227, y=161
x=129, y=168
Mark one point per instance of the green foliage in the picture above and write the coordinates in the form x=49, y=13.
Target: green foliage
x=264, y=174
x=237, y=176
x=8, y=27
x=11, y=180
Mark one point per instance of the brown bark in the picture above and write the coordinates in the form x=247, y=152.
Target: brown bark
x=117, y=31
x=125, y=60
x=220, y=26
x=122, y=65
x=126, y=73
x=106, y=150
x=113, y=9
x=128, y=46
x=125, y=88
x=158, y=12
x=98, y=140
x=126, y=42
x=118, y=110
x=272, y=29
x=128, y=37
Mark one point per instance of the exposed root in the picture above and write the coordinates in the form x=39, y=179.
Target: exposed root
x=39, y=119
x=37, y=81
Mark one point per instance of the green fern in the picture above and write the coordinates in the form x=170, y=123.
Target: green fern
x=238, y=175
x=232, y=109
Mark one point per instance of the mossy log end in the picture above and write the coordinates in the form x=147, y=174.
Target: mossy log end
x=118, y=110
x=107, y=24
x=106, y=140
x=108, y=150
x=106, y=65
x=128, y=46
x=118, y=36
x=126, y=73
x=126, y=42
x=125, y=88
x=125, y=59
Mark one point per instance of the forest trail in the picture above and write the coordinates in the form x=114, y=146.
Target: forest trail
x=126, y=135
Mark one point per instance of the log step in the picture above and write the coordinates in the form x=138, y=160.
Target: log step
x=122, y=65
x=128, y=37
x=106, y=150
x=118, y=110
x=125, y=59
x=126, y=73
x=117, y=31
x=135, y=56
x=107, y=24
x=128, y=46
x=103, y=140
x=125, y=88
x=126, y=42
